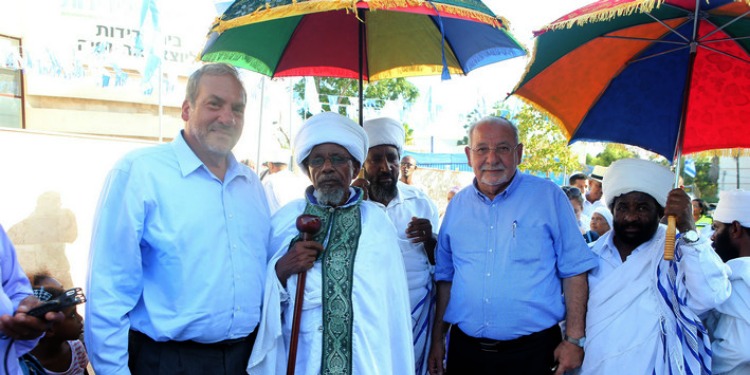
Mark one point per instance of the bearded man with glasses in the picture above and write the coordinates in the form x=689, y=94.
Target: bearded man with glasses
x=356, y=317
x=507, y=247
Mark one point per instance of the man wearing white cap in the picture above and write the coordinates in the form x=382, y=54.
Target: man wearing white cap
x=729, y=324
x=355, y=318
x=415, y=218
x=593, y=196
x=643, y=310
x=281, y=185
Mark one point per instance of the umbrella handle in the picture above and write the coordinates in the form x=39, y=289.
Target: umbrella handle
x=669, y=241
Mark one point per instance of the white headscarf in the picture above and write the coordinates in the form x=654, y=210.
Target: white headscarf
x=329, y=127
x=628, y=175
x=734, y=205
x=385, y=131
x=604, y=211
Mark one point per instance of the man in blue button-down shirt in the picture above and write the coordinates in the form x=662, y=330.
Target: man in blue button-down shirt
x=179, y=248
x=508, y=248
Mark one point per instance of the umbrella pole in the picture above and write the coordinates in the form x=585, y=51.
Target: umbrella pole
x=671, y=220
x=361, y=60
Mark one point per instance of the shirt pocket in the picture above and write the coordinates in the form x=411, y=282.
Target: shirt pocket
x=527, y=243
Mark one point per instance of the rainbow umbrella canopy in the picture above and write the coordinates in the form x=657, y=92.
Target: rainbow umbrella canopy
x=669, y=76
x=366, y=40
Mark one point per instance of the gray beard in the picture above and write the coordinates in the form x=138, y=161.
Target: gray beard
x=331, y=197
x=382, y=193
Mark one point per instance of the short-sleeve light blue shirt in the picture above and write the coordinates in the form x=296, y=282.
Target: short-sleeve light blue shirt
x=506, y=258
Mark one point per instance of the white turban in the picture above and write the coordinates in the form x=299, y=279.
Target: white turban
x=628, y=175
x=280, y=155
x=329, y=127
x=734, y=205
x=385, y=131
x=604, y=211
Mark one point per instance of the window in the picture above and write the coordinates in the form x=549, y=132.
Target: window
x=11, y=83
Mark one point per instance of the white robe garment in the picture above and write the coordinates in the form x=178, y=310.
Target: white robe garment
x=626, y=312
x=729, y=324
x=412, y=202
x=381, y=332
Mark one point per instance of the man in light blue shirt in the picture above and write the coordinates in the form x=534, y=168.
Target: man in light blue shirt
x=508, y=248
x=179, y=248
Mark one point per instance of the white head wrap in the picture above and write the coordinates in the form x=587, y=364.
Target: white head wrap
x=280, y=155
x=734, y=205
x=604, y=211
x=385, y=131
x=629, y=175
x=329, y=127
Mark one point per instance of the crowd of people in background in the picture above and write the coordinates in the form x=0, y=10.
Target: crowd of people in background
x=198, y=265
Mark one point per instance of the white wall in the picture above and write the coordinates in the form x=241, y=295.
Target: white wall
x=74, y=167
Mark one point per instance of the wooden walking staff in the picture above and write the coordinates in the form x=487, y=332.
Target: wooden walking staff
x=307, y=225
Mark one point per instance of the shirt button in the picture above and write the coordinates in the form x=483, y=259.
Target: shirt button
x=320, y=328
x=490, y=250
x=231, y=216
x=488, y=274
x=238, y=308
x=492, y=227
x=487, y=300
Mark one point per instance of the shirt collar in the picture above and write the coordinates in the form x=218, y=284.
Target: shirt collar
x=512, y=186
x=189, y=161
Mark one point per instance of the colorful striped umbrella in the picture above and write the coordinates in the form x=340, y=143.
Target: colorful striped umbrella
x=670, y=76
x=366, y=40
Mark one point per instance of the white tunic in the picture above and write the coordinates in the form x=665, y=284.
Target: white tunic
x=626, y=313
x=381, y=338
x=729, y=324
x=413, y=202
x=283, y=187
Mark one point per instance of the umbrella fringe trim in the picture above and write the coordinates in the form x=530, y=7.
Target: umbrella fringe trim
x=724, y=152
x=554, y=119
x=316, y=6
x=607, y=14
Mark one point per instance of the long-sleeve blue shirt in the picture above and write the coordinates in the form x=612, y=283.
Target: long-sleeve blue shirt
x=506, y=258
x=176, y=253
x=16, y=287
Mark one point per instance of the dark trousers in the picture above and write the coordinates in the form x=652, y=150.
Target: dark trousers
x=529, y=355
x=149, y=357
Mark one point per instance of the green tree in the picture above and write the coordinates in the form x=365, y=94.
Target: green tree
x=702, y=185
x=469, y=119
x=344, y=88
x=409, y=135
x=611, y=152
x=545, y=148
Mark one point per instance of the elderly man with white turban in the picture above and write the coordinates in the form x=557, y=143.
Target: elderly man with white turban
x=416, y=219
x=729, y=324
x=643, y=310
x=355, y=316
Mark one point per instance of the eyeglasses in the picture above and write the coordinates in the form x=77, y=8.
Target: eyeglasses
x=407, y=165
x=336, y=160
x=501, y=150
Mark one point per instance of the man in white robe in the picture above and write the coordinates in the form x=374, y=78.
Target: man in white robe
x=642, y=310
x=415, y=217
x=729, y=324
x=281, y=185
x=355, y=315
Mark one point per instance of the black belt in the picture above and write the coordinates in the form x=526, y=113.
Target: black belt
x=489, y=345
x=220, y=345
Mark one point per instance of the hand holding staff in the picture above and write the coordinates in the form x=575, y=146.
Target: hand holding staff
x=679, y=213
x=307, y=225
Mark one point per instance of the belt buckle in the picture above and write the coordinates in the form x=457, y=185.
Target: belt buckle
x=488, y=346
